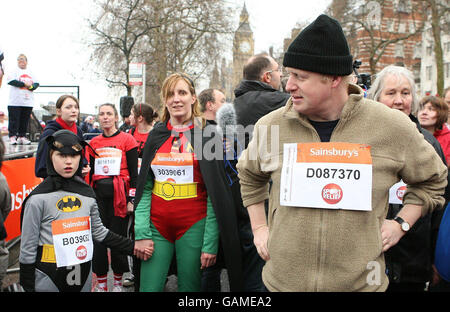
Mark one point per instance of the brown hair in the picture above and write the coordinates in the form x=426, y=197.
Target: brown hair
x=62, y=98
x=439, y=106
x=116, y=114
x=167, y=89
x=256, y=66
x=146, y=111
x=204, y=97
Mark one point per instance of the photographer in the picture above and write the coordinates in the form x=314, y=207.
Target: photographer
x=363, y=80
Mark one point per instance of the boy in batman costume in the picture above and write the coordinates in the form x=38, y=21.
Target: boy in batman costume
x=59, y=220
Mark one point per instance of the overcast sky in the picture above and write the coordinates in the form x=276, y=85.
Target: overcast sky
x=50, y=33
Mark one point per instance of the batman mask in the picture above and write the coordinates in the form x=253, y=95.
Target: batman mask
x=67, y=143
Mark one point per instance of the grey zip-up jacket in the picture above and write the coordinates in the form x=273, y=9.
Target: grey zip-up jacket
x=39, y=274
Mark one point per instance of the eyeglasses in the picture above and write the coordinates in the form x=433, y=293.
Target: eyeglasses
x=279, y=69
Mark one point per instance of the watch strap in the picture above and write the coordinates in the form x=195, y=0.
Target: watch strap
x=399, y=220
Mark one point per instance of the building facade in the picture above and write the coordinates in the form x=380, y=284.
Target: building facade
x=428, y=70
x=392, y=36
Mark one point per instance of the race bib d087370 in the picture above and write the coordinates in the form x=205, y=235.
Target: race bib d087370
x=330, y=175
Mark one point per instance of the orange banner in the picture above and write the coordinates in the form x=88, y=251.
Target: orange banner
x=21, y=180
x=334, y=152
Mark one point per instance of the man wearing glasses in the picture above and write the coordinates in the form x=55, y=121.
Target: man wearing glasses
x=259, y=92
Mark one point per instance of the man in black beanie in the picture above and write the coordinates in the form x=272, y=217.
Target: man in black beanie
x=333, y=157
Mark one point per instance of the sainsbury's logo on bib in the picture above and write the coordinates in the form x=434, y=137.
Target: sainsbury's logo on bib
x=334, y=152
x=172, y=159
x=332, y=193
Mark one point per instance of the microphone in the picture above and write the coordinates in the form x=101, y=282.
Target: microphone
x=226, y=119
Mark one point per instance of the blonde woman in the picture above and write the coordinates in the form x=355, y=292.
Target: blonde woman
x=181, y=198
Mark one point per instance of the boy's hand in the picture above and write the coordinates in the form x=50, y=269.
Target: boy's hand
x=143, y=249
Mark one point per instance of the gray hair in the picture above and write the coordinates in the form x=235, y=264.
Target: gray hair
x=398, y=71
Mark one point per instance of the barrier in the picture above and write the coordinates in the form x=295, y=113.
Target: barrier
x=21, y=180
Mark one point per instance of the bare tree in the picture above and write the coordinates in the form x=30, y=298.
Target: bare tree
x=119, y=30
x=371, y=27
x=439, y=11
x=168, y=35
x=189, y=40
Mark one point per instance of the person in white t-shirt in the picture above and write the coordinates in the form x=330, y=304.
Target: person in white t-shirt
x=21, y=101
x=1, y=68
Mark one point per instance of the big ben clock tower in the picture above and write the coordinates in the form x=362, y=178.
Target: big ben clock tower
x=243, y=46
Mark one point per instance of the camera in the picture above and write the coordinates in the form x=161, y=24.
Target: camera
x=364, y=79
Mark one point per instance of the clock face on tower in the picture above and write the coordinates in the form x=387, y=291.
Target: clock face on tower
x=245, y=47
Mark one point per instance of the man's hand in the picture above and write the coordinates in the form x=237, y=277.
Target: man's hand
x=260, y=238
x=391, y=232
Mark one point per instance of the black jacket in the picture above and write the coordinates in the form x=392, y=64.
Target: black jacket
x=410, y=260
x=254, y=99
x=216, y=186
x=40, y=165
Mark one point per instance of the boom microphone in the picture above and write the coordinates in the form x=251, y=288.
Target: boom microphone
x=226, y=119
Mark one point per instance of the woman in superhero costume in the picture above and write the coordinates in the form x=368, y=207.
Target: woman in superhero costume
x=59, y=221
x=113, y=178
x=182, y=200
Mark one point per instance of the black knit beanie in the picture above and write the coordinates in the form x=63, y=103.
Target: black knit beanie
x=321, y=47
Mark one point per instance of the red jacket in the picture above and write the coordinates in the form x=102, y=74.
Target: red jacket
x=443, y=136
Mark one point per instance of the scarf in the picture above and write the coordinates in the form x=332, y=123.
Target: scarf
x=64, y=125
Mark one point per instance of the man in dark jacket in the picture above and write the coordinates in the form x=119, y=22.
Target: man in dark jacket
x=258, y=93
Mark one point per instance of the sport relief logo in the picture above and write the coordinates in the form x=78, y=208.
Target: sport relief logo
x=81, y=252
x=105, y=169
x=332, y=193
x=401, y=192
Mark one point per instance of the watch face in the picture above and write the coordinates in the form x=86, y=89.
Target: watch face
x=245, y=47
x=405, y=226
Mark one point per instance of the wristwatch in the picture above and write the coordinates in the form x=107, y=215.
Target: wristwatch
x=404, y=225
